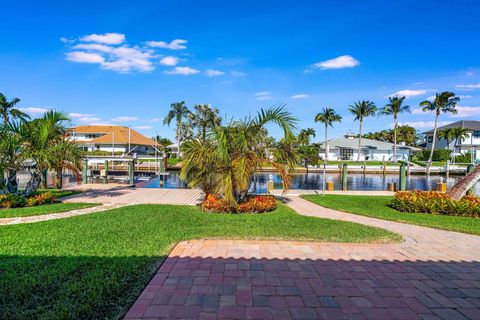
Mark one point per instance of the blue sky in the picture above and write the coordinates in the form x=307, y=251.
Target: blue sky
x=124, y=62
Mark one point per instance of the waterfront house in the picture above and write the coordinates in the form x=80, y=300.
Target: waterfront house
x=346, y=148
x=115, y=139
x=470, y=143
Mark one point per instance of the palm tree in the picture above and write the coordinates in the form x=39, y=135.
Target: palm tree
x=464, y=184
x=178, y=111
x=444, y=102
x=458, y=134
x=204, y=117
x=448, y=135
x=224, y=163
x=328, y=116
x=393, y=108
x=7, y=110
x=304, y=136
x=64, y=154
x=12, y=146
x=362, y=109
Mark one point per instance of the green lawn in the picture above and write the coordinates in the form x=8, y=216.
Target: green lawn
x=376, y=206
x=94, y=266
x=44, y=209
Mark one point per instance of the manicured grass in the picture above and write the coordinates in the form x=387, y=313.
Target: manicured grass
x=377, y=207
x=94, y=266
x=43, y=209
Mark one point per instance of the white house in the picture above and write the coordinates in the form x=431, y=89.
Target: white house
x=470, y=143
x=112, y=139
x=346, y=148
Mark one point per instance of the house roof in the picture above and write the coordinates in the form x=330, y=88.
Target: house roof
x=467, y=124
x=117, y=134
x=352, y=143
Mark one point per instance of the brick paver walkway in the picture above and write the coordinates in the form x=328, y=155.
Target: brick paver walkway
x=434, y=274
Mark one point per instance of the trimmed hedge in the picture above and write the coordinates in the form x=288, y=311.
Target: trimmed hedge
x=253, y=204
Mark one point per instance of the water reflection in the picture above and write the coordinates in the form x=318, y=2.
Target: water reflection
x=314, y=181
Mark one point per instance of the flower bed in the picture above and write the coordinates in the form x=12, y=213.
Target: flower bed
x=253, y=204
x=436, y=203
x=12, y=200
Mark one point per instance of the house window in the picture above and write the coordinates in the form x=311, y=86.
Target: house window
x=476, y=134
x=346, y=154
x=430, y=139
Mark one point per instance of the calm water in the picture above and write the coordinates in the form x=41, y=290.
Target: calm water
x=313, y=181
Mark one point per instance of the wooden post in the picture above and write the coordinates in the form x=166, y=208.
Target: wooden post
x=131, y=172
x=105, y=174
x=344, y=176
x=391, y=186
x=403, y=178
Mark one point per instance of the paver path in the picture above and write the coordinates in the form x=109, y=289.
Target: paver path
x=126, y=195
x=434, y=274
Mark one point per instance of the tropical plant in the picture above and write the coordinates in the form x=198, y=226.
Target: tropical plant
x=328, y=117
x=8, y=110
x=204, y=118
x=178, y=111
x=12, y=155
x=393, y=108
x=64, y=154
x=444, y=102
x=308, y=153
x=224, y=163
x=459, y=134
x=304, y=136
x=448, y=135
x=361, y=110
x=464, y=184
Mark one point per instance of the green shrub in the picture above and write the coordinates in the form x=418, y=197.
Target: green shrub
x=173, y=161
x=436, y=203
x=464, y=158
x=12, y=200
x=438, y=155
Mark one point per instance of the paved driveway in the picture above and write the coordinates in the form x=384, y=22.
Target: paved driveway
x=434, y=274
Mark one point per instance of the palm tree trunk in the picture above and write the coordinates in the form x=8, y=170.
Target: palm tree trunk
x=394, y=138
x=464, y=184
x=359, y=140
x=3, y=185
x=59, y=178
x=179, y=124
x=325, y=162
x=429, y=164
x=12, y=186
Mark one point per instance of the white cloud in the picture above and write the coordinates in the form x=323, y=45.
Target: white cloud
x=214, y=73
x=79, y=115
x=154, y=120
x=107, y=38
x=185, y=71
x=169, y=61
x=300, y=96
x=470, y=73
x=85, y=57
x=89, y=119
x=424, y=124
x=464, y=112
x=409, y=93
x=263, y=95
x=34, y=110
x=469, y=86
x=177, y=44
x=340, y=62
x=124, y=119
x=143, y=127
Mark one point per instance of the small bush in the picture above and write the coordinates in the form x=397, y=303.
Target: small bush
x=41, y=198
x=12, y=200
x=464, y=158
x=253, y=204
x=436, y=203
x=438, y=155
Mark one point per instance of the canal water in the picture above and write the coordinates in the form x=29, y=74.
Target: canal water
x=313, y=181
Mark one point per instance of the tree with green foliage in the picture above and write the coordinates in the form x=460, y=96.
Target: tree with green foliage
x=361, y=110
x=458, y=134
x=178, y=111
x=8, y=110
x=224, y=163
x=393, y=108
x=308, y=152
x=448, y=135
x=204, y=118
x=444, y=102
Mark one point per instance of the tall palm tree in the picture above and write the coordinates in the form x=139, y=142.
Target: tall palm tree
x=393, y=108
x=328, y=116
x=204, y=117
x=224, y=163
x=444, y=102
x=64, y=154
x=178, y=111
x=8, y=110
x=458, y=134
x=361, y=110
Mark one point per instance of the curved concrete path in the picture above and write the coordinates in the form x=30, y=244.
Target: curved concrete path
x=434, y=274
